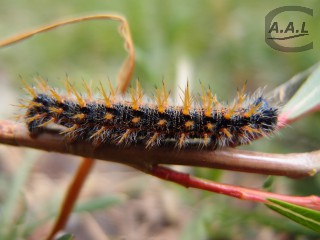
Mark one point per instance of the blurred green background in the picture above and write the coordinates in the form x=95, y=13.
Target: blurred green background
x=220, y=43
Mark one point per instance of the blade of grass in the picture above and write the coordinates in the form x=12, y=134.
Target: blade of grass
x=9, y=206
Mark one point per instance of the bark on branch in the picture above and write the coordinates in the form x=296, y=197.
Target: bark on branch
x=294, y=165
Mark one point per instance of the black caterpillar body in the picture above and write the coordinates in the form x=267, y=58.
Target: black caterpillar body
x=123, y=123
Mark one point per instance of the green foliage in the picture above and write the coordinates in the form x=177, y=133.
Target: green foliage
x=306, y=98
x=267, y=185
x=304, y=216
x=66, y=237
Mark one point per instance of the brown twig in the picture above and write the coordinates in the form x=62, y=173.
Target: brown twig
x=71, y=196
x=294, y=165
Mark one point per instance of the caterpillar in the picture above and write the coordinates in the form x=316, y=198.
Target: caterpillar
x=111, y=119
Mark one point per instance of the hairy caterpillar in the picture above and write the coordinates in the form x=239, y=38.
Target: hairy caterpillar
x=111, y=120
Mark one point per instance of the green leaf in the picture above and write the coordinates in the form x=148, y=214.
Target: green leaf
x=304, y=216
x=287, y=90
x=267, y=185
x=67, y=236
x=306, y=98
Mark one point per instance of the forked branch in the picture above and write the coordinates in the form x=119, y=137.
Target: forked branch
x=242, y=193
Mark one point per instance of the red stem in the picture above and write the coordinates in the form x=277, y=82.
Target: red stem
x=230, y=190
x=284, y=119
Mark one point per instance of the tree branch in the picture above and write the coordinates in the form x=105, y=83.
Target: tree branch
x=294, y=165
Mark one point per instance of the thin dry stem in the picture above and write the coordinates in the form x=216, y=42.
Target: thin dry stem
x=128, y=65
x=71, y=196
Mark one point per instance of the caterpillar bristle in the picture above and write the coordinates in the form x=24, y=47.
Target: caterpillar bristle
x=28, y=89
x=42, y=84
x=47, y=123
x=181, y=140
x=241, y=96
x=162, y=98
x=88, y=89
x=207, y=101
x=67, y=86
x=70, y=129
x=136, y=96
x=186, y=100
x=80, y=100
x=152, y=141
x=107, y=100
x=55, y=110
x=130, y=121
x=125, y=136
x=55, y=95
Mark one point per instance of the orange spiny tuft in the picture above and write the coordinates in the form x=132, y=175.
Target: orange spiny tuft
x=108, y=116
x=112, y=91
x=186, y=101
x=251, y=130
x=124, y=136
x=252, y=110
x=162, y=122
x=210, y=126
x=216, y=102
x=206, y=139
x=47, y=123
x=227, y=133
x=241, y=95
x=81, y=102
x=42, y=84
x=181, y=140
x=17, y=117
x=55, y=110
x=28, y=89
x=107, y=100
x=189, y=124
x=21, y=105
x=70, y=129
x=162, y=98
x=136, y=96
x=35, y=104
x=79, y=116
x=55, y=95
x=88, y=89
x=135, y=120
x=97, y=133
x=152, y=140
x=228, y=114
x=207, y=101
x=67, y=84
x=36, y=117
